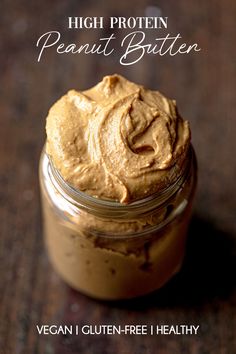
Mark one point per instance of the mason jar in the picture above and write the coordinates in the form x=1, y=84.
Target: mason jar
x=113, y=251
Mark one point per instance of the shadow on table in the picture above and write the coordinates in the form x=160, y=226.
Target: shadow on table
x=208, y=271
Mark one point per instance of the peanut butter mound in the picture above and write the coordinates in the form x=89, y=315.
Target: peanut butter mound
x=117, y=140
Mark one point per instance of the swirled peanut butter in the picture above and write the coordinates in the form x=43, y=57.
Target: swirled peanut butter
x=117, y=140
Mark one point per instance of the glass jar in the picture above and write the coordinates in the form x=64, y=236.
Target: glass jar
x=113, y=251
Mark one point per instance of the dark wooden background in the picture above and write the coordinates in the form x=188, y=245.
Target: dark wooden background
x=204, y=85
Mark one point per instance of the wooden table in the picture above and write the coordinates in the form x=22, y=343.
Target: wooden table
x=203, y=83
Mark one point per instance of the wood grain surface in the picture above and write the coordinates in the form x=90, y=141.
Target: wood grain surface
x=203, y=84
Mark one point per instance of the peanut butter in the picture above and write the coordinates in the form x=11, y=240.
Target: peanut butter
x=117, y=183
x=117, y=140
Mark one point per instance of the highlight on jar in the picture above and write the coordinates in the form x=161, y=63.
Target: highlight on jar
x=117, y=175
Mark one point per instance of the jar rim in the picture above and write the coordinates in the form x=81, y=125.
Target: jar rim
x=101, y=206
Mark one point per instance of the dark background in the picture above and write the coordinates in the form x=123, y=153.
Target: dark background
x=204, y=86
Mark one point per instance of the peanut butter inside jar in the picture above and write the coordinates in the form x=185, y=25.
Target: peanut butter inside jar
x=117, y=176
